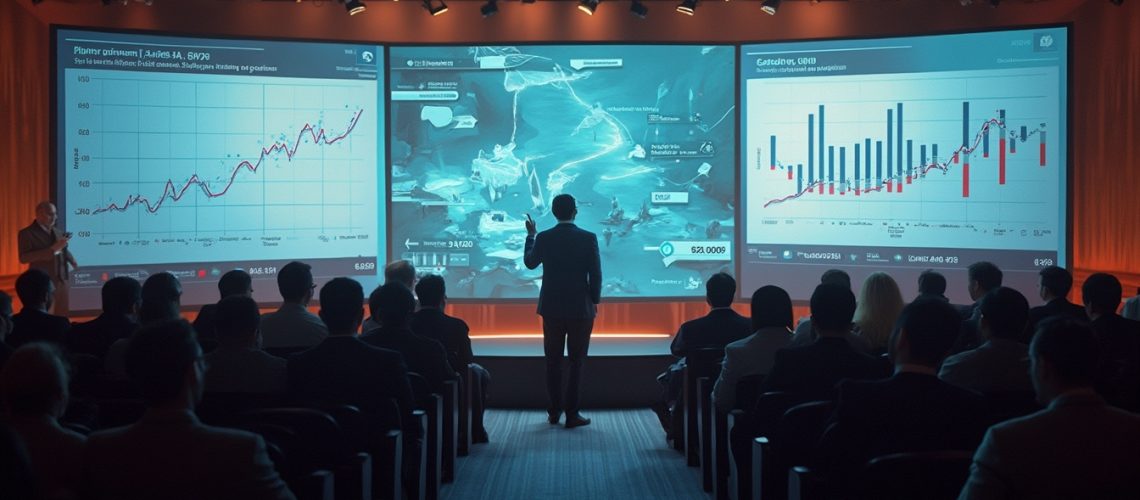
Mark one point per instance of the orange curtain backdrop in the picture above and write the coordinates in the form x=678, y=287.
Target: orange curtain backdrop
x=1105, y=124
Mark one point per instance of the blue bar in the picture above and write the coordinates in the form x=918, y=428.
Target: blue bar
x=890, y=143
x=1013, y=144
x=821, y=143
x=1024, y=135
x=831, y=164
x=867, y=162
x=899, y=140
x=843, y=168
x=772, y=150
x=933, y=153
x=799, y=178
x=811, y=149
x=909, y=158
x=922, y=153
x=856, y=165
x=986, y=142
x=965, y=124
x=879, y=162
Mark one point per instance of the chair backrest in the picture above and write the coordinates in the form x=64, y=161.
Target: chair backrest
x=221, y=408
x=770, y=408
x=421, y=390
x=1006, y=405
x=284, y=352
x=800, y=428
x=747, y=390
x=704, y=362
x=927, y=474
x=319, y=438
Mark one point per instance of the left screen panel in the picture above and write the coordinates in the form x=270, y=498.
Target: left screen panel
x=197, y=156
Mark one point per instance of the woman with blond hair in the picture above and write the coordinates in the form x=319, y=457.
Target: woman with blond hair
x=880, y=303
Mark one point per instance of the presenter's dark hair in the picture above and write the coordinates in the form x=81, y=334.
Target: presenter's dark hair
x=832, y=307
x=771, y=306
x=161, y=296
x=562, y=206
x=931, y=282
x=236, y=282
x=987, y=274
x=1006, y=311
x=1069, y=346
x=158, y=356
x=294, y=280
x=32, y=286
x=931, y=327
x=121, y=294
x=1057, y=280
x=431, y=290
x=236, y=317
x=342, y=303
x=1102, y=292
x=720, y=289
x=836, y=277
x=392, y=303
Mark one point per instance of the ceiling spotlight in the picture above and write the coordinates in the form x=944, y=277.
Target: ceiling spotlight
x=354, y=7
x=770, y=6
x=687, y=7
x=588, y=6
x=433, y=9
x=490, y=8
x=639, y=9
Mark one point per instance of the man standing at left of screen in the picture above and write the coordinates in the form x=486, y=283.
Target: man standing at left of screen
x=44, y=246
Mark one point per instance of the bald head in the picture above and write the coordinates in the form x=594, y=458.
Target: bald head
x=46, y=213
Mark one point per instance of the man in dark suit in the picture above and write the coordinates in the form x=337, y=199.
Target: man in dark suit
x=910, y=411
x=981, y=278
x=344, y=370
x=393, y=304
x=1118, y=378
x=235, y=283
x=1001, y=363
x=169, y=452
x=932, y=285
x=813, y=370
x=33, y=323
x=1078, y=447
x=571, y=290
x=121, y=298
x=1054, y=284
x=43, y=246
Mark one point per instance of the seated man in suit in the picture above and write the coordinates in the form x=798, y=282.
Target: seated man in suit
x=803, y=334
x=344, y=370
x=239, y=364
x=813, y=370
x=122, y=297
x=33, y=323
x=394, y=304
x=754, y=354
x=1077, y=447
x=910, y=411
x=1053, y=285
x=235, y=283
x=431, y=322
x=169, y=452
x=292, y=326
x=981, y=278
x=1001, y=363
x=1118, y=379
x=932, y=285
x=33, y=395
x=397, y=271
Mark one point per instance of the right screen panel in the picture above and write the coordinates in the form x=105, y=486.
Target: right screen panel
x=904, y=154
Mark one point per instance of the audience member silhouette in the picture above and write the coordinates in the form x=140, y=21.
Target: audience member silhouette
x=398, y=271
x=161, y=299
x=34, y=323
x=803, y=334
x=393, y=303
x=812, y=371
x=755, y=354
x=932, y=285
x=877, y=309
x=912, y=410
x=238, y=364
x=233, y=283
x=122, y=297
x=1053, y=286
x=1118, y=378
x=5, y=326
x=292, y=326
x=168, y=451
x=344, y=370
x=34, y=394
x=432, y=322
x=1001, y=363
x=1132, y=307
x=1077, y=447
x=981, y=278
x=16, y=478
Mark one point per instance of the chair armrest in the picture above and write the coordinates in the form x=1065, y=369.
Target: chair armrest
x=805, y=484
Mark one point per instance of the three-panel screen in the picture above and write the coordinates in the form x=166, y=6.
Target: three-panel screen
x=200, y=155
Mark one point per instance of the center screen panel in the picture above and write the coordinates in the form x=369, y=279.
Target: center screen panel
x=642, y=136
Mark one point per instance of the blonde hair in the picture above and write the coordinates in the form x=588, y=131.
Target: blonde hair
x=880, y=303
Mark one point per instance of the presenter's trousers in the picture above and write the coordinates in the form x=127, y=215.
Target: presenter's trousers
x=571, y=335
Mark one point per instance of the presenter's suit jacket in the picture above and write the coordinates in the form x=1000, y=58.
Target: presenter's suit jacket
x=171, y=455
x=33, y=243
x=571, y=271
x=1078, y=447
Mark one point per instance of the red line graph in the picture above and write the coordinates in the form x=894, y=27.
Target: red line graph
x=173, y=193
x=922, y=170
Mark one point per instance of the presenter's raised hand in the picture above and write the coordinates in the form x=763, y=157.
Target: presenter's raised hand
x=531, y=227
x=60, y=243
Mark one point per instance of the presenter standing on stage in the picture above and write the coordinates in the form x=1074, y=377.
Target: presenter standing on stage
x=567, y=301
x=43, y=246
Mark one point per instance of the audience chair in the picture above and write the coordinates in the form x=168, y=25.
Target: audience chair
x=747, y=389
x=928, y=475
x=450, y=437
x=698, y=363
x=432, y=406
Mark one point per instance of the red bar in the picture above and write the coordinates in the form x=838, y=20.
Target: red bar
x=842, y=192
x=900, y=187
x=831, y=189
x=908, y=179
x=890, y=188
x=1001, y=161
x=1042, y=154
x=856, y=191
x=955, y=158
x=966, y=180
x=774, y=168
x=985, y=154
x=789, y=173
x=821, y=188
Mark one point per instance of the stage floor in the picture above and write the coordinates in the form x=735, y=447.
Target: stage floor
x=601, y=345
